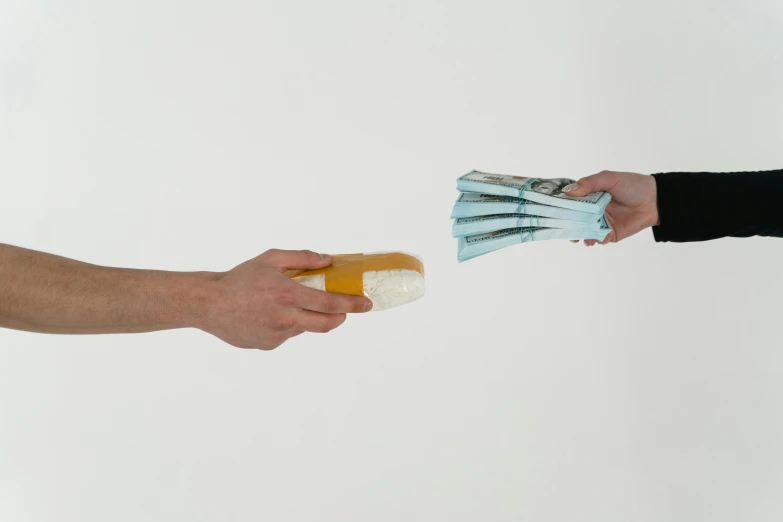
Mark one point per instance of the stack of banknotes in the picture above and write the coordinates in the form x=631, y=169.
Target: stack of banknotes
x=494, y=211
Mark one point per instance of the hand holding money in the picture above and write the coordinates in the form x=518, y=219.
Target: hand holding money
x=494, y=211
x=634, y=204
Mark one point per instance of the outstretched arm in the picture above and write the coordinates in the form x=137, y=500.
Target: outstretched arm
x=689, y=206
x=251, y=306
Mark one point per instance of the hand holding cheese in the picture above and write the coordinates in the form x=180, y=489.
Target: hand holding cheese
x=255, y=305
x=389, y=279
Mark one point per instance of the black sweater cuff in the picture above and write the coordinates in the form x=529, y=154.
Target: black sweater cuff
x=699, y=206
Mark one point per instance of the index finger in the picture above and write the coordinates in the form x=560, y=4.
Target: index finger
x=330, y=303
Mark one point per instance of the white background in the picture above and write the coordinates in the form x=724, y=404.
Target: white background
x=548, y=382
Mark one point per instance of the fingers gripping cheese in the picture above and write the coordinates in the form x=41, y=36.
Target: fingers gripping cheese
x=388, y=280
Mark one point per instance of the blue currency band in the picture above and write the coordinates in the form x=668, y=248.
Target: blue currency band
x=522, y=209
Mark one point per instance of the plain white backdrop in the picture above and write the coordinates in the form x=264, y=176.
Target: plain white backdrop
x=548, y=382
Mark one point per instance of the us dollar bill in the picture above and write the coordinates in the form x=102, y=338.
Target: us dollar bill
x=476, y=245
x=470, y=204
x=548, y=191
x=485, y=224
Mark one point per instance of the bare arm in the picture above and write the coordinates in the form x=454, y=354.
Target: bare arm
x=252, y=306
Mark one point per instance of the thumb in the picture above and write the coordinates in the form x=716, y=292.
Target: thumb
x=603, y=181
x=296, y=259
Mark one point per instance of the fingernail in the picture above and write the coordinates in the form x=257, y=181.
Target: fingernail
x=368, y=306
x=571, y=187
x=325, y=256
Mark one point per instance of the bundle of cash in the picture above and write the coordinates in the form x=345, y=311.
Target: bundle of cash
x=494, y=211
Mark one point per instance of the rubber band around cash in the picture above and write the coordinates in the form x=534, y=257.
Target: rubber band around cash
x=346, y=273
x=522, y=209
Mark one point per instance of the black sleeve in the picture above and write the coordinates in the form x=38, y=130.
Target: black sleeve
x=699, y=206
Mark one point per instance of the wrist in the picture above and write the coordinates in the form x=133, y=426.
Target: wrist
x=653, y=217
x=190, y=298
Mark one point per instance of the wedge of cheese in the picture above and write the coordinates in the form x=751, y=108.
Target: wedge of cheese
x=388, y=280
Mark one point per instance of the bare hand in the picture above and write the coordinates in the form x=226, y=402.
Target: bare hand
x=634, y=204
x=259, y=307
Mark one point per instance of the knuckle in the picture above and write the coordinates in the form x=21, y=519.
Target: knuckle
x=280, y=323
x=327, y=324
x=321, y=327
x=338, y=320
x=329, y=304
x=284, y=296
x=271, y=253
x=270, y=256
x=304, y=256
x=285, y=324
